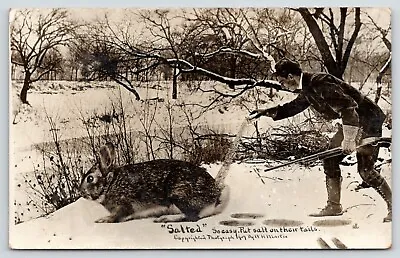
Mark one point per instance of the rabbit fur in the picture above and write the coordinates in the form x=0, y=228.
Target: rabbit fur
x=170, y=190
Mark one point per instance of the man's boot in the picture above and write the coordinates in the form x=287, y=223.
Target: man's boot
x=333, y=206
x=384, y=190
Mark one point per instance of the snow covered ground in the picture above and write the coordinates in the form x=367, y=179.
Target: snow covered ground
x=266, y=210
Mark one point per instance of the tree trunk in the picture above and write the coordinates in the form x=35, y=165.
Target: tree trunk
x=383, y=70
x=175, y=84
x=25, y=88
x=13, y=72
x=321, y=43
x=335, y=67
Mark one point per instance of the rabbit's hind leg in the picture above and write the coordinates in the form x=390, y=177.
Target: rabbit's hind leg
x=191, y=209
x=188, y=213
x=154, y=211
x=218, y=206
x=195, y=204
x=171, y=218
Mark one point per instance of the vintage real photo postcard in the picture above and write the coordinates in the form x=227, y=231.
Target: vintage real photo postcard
x=204, y=128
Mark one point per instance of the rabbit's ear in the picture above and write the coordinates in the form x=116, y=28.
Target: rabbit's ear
x=110, y=176
x=107, y=155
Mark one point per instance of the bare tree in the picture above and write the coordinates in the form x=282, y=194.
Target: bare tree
x=52, y=64
x=335, y=47
x=384, y=33
x=212, y=44
x=72, y=64
x=35, y=38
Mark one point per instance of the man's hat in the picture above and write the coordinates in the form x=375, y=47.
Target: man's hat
x=286, y=66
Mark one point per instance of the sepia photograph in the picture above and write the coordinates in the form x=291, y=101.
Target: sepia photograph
x=200, y=128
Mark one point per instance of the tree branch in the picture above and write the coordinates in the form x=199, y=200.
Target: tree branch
x=228, y=50
x=231, y=82
x=343, y=14
x=357, y=27
x=383, y=70
x=319, y=39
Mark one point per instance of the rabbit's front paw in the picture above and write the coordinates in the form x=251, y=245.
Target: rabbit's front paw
x=108, y=219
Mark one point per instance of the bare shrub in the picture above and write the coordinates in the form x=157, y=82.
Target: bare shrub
x=207, y=149
x=294, y=139
x=112, y=125
x=59, y=178
x=295, y=144
x=54, y=182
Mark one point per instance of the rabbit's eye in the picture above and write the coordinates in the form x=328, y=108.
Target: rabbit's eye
x=89, y=179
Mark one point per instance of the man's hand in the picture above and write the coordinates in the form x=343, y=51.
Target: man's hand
x=349, y=141
x=271, y=112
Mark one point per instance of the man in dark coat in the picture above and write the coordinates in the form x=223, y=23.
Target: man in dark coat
x=361, y=118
